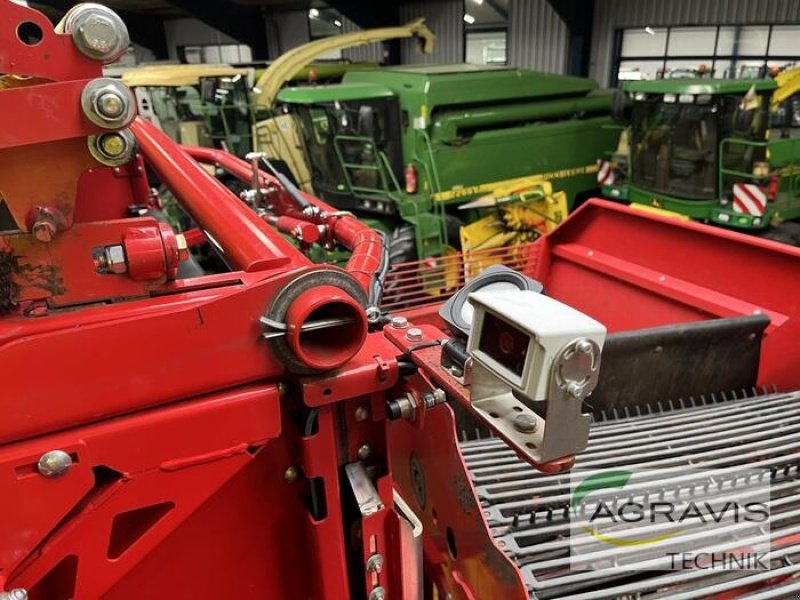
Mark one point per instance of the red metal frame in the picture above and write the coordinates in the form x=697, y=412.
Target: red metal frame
x=200, y=465
x=631, y=269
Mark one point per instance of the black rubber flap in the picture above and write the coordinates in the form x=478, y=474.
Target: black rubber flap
x=645, y=366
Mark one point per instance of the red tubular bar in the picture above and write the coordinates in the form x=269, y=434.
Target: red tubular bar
x=364, y=243
x=249, y=243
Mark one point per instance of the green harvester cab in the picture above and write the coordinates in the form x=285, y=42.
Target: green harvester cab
x=703, y=148
x=403, y=147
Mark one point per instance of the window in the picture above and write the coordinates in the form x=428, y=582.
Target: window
x=731, y=51
x=486, y=47
x=486, y=31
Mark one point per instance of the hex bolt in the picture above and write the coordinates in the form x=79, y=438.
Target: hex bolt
x=584, y=347
x=399, y=323
x=364, y=452
x=377, y=593
x=291, y=474
x=54, y=463
x=15, y=594
x=525, y=423
x=375, y=563
x=434, y=397
x=362, y=413
x=414, y=335
x=44, y=230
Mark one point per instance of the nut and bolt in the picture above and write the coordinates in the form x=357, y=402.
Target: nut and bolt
x=112, y=260
x=291, y=474
x=15, y=594
x=364, y=452
x=399, y=323
x=584, y=347
x=375, y=563
x=362, y=413
x=575, y=389
x=377, y=593
x=525, y=423
x=434, y=397
x=110, y=104
x=54, y=463
x=44, y=230
x=414, y=335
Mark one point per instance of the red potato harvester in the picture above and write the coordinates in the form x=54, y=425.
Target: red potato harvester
x=266, y=431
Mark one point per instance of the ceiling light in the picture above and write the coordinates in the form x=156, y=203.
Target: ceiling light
x=337, y=22
x=478, y=2
x=649, y=30
x=313, y=13
x=469, y=19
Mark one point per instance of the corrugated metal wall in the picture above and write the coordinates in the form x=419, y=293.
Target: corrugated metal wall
x=368, y=53
x=446, y=20
x=286, y=30
x=537, y=37
x=610, y=15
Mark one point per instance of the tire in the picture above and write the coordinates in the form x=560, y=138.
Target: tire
x=777, y=234
x=791, y=228
x=620, y=111
x=452, y=226
x=402, y=245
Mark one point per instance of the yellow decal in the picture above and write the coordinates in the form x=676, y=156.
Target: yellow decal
x=471, y=190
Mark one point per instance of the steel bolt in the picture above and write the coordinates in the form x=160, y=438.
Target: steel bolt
x=414, y=335
x=584, y=347
x=525, y=423
x=110, y=104
x=574, y=389
x=291, y=474
x=365, y=451
x=399, y=322
x=375, y=563
x=44, y=230
x=54, y=463
x=377, y=593
x=15, y=594
x=362, y=413
x=98, y=34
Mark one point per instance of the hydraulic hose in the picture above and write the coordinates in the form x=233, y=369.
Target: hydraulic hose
x=369, y=260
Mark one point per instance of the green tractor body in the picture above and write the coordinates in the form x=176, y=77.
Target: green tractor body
x=405, y=146
x=703, y=148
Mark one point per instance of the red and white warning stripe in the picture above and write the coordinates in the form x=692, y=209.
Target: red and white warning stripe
x=605, y=172
x=749, y=199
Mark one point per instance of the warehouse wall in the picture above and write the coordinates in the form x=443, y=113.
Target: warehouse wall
x=286, y=30
x=368, y=53
x=610, y=15
x=537, y=37
x=446, y=20
x=191, y=32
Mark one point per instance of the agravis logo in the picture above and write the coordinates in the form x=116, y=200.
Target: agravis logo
x=669, y=518
x=603, y=481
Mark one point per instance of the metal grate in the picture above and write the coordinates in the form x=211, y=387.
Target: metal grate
x=433, y=280
x=527, y=510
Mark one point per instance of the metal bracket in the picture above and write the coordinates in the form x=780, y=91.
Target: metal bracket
x=366, y=495
x=564, y=431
